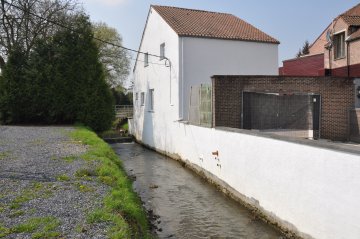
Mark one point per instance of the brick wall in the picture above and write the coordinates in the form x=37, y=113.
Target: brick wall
x=337, y=98
x=304, y=66
x=354, y=71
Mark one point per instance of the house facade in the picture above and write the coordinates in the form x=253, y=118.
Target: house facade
x=182, y=48
x=336, y=52
x=286, y=181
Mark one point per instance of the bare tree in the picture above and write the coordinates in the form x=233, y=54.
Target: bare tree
x=115, y=59
x=21, y=26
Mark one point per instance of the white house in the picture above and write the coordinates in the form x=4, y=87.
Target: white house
x=297, y=185
x=193, y=45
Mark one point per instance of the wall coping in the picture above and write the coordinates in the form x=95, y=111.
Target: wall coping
x=303, y=57
x=351, y=148
x=279, y=77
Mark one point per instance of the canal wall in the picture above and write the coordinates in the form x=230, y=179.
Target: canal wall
x=310, y=188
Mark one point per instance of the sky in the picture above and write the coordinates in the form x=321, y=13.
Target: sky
x=292, y=22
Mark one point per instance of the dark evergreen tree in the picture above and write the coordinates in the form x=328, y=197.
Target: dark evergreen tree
x=306, y=48
x=62, y=81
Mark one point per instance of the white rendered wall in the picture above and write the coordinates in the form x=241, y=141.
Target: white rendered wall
x=151, y=126
x=201, y=58
x=316, y=190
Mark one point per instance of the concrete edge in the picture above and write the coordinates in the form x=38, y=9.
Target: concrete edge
x=289, y=230
x=312, y=143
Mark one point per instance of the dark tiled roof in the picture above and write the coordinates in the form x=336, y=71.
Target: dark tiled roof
x=352, y=16
x=354, y=36
x=352, y=20
x=197, y=23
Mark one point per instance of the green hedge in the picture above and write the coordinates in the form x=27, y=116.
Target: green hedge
x=60, y=82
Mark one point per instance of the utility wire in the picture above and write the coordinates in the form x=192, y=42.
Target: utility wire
x=69, y=28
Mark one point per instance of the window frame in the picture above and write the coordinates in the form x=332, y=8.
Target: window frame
x=339, y=40
x=146, y=59
x=151, y=100
x=162, y=51
x=142, y=98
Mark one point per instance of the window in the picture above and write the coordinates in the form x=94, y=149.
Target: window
x=162, y=51
x=136, y=96
x=142, y=98
x=339, y=45
x=146, y=59
x=151, y=99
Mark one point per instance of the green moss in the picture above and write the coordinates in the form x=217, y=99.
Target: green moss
x=41, y=227
x=4, y=231
x=84, y=188
x=14, y=206
x=81, y=173
x=63, y=178
x=122, y=207
x=17, y=213
x=4, y=155
x=69, y=159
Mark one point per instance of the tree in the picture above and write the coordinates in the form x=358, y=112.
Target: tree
x=61, y=81
x=20, y=27
x=305, y=50
x=115, y=59
x=299, y=54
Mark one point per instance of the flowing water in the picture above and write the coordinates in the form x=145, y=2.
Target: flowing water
x=187, y=205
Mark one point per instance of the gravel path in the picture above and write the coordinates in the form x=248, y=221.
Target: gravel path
x=40, y=195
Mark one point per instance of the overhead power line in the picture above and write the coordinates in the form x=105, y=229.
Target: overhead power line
x=3, y=2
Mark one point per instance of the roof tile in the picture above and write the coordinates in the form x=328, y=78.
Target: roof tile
x=197, y=23
x=352, y=16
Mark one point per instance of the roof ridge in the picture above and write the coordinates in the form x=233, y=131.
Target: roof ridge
x=347, y=11
x=191, y=9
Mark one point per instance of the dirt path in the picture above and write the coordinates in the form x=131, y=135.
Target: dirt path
x=42, y=192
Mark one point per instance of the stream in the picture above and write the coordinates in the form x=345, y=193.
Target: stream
x=187, y=206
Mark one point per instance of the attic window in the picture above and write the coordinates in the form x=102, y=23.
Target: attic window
x=146, y=59
x=339, y=45
x=162, y=51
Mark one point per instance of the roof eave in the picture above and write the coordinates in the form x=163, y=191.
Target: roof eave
x=232, y=39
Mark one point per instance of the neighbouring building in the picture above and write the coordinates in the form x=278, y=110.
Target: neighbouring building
x=336, y=52
x=193, y=45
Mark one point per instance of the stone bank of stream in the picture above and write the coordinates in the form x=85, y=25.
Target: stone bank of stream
x=187, y=206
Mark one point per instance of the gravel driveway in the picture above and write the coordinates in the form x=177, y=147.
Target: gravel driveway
x=40, y=193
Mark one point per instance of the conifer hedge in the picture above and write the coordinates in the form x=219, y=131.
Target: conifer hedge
x=60, y=82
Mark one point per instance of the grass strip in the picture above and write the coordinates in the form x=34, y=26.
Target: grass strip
x=122, y=206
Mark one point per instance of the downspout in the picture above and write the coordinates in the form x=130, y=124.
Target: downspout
x=330, y=65
x=182, y=80
x=348, y=58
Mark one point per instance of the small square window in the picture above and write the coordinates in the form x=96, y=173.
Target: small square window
x=151, y=99
x=142, y=96
x=162, y=51
x=146, y=59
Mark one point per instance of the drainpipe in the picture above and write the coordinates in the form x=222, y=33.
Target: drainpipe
x=330, y=65
x=348, y=58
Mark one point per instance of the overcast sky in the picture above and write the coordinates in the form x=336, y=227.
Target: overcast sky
x=290, y=21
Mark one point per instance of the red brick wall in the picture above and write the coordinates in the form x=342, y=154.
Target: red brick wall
x=354, y=71
x=304, y=66
x=337, y=98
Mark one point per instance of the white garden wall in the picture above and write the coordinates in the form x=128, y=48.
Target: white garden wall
x=315, y=189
